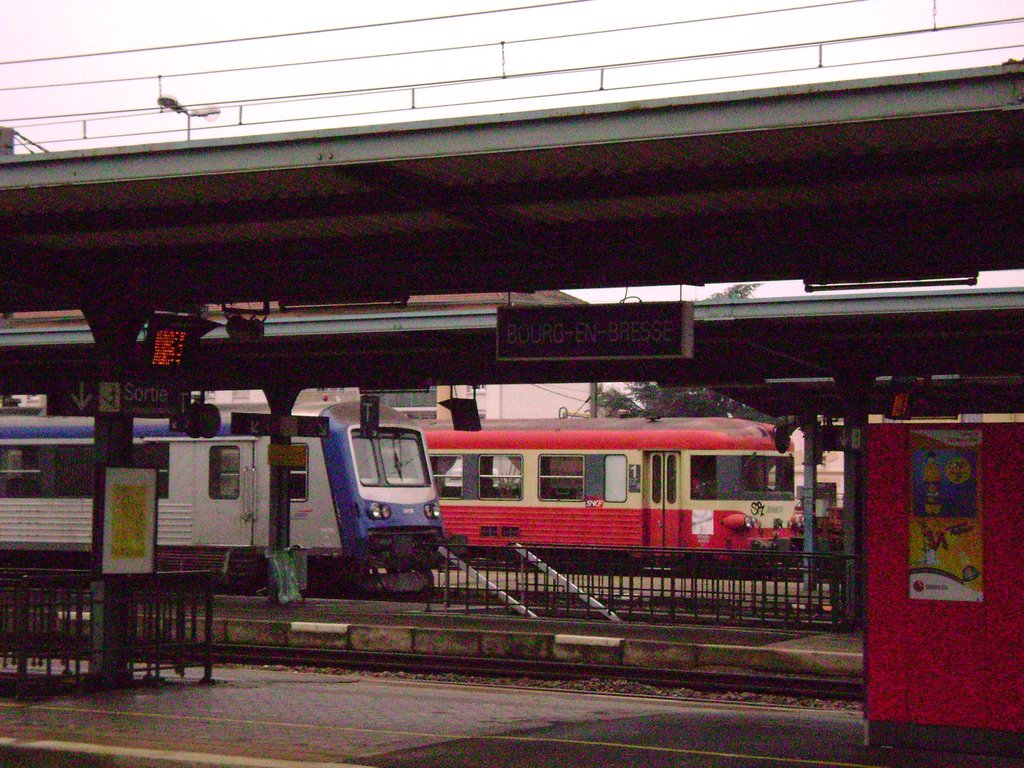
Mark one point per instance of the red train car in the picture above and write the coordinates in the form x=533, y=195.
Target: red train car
x=712, y=483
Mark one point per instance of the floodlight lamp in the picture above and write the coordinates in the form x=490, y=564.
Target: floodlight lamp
x=210, y=113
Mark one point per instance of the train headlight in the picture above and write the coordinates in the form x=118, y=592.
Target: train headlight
x=432, y=511
x=379, y=511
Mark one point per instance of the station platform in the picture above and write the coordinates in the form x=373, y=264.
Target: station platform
x=278, y=719
x=430, y=629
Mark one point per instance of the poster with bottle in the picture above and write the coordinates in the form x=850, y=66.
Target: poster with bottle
x=945, y=556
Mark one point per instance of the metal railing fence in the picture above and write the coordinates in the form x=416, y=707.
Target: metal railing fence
x=782, y=590
x=46, y=625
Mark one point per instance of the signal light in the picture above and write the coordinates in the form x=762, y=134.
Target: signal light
x=902, y=396
x=899, y=406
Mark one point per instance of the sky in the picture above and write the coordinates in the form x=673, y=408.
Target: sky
x=80, y=75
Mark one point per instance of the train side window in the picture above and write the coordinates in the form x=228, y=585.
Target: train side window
x=703, y=474
x=225, y=472
x=615, y=474
x=501, y=477
x=767, y=475
x=560, y=478
x=73, y=471
x=19, y=472
x=298, y=478
x=447, y=472
x=671, y=478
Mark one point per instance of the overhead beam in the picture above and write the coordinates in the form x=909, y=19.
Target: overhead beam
x=992, y=88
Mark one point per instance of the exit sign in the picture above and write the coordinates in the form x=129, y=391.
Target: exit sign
x=662, y=329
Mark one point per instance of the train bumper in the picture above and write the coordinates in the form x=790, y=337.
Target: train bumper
x=404, y=549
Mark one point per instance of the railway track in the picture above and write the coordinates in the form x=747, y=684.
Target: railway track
x=794, y=686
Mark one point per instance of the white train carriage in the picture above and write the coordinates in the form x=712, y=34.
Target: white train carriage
x=364, y=513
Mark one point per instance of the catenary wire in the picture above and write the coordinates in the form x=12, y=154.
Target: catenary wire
x=283, y=35
x=76, y=117
x=410, y=52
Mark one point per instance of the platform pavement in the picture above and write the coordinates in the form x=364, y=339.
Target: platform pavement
x=177, y=725
x=429, y=629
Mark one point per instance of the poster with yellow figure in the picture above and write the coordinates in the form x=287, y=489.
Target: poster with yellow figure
x=129, y=524
x=129, y=520
x=945, y=556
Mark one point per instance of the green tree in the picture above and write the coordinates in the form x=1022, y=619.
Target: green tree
x=614, y=402
x=656, y=402
x=738, y=291
x=648, y=399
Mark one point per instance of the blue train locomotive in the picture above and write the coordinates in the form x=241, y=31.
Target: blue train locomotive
x=364, y=511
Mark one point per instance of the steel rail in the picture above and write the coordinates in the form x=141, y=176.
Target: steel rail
x=830, y=688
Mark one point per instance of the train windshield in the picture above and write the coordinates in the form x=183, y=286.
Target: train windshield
x=393, y=457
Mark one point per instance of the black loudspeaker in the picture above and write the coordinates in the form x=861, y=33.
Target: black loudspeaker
x=202, y=420
x=782, y=431
x=465, y=416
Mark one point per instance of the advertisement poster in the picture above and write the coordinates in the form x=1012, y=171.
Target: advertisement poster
x=945, y=556
x=129, y=520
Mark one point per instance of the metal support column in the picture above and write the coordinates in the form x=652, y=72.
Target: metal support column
x=809, y=497
x=280, y=572
x=115, y=329
x=856, y=398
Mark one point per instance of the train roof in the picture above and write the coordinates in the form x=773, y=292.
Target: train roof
x=595, y=434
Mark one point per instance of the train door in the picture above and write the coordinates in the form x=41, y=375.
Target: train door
x=662, y=470
x=226, y=497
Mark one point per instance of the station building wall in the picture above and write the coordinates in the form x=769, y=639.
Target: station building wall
x=945, y=672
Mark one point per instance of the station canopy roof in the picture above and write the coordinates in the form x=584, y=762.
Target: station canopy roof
x=880, y=180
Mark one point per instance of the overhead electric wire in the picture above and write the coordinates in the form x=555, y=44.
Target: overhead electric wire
x=425, y=85
x=32, y=121
x=284, y=35
x=413, y=52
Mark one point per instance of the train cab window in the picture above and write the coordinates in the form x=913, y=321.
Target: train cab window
x=19, y=472
x=615, y=478
x=702, y=477
x=225, y=472
x=560, y=478
x=447, y=471
x=501, y=477
x=366, y=462
x=403, y=460
x=394, y=457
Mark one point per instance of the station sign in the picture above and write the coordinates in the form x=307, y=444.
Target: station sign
x=637, y=330
x=273, y=425
x=131, y=397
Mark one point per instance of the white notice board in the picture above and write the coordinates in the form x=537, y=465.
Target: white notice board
x=129, y=520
